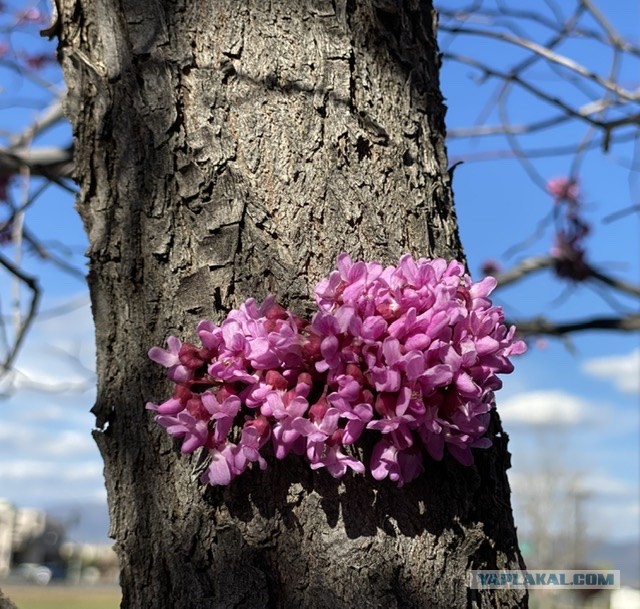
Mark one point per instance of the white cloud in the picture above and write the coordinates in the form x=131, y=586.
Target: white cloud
x=603, y=484
x=51, y=377
x=99, y=496
x=59, y=354
x=71, y=313
x=32, y=470
x=619, y=520
x=41, y=482
x=45, y=442
x=60, y=410
x=572, y=481
x=51, y=413
x=46, y=449
x=621, y=370
x=91, y=470
x=546, y=408
x=69, y=442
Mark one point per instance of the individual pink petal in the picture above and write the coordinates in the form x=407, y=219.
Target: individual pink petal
x=218, y=473
x=414, y=362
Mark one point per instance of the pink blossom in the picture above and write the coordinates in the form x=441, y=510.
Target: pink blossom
x=255, y=434
x=223, y=467
x=491, y=267
x=222, y=413
x=570, y=257
x=193, y=431
x=400, y=466
x=563, y=189
x=170, y=359
x=39, y=61
x=30, y=15
x=408, y=354
x=337, y=462
x=6, y=230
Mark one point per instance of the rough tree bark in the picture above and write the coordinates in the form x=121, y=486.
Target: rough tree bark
x=227, y=149
x=5, y=603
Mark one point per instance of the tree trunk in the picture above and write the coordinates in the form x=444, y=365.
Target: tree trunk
x=5, y=603
x=228, y=149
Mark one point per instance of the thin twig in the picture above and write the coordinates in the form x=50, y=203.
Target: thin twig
x=550, y=56
x=497, y=155
x=46, y=254
x=535, y=91
x=618, y=284
x=32, y=284
x=51, y=116
x=541, y=325
x=524, y=268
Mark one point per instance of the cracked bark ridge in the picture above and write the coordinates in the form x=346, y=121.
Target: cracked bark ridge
x=230, y=149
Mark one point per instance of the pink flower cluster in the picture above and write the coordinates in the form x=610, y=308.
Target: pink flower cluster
x=568, y=251
x=396, y=360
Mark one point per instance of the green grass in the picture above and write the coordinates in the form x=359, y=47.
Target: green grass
x=63, y=597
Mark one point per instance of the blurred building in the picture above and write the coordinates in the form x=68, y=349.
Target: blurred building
x=28, y=524
x=31, y=538
x=7, y=517
x=27, y=536
x=91, y=563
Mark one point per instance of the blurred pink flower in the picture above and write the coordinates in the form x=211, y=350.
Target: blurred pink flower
x=564, y=189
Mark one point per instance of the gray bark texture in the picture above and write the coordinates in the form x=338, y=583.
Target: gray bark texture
x=5, y=603
x=228, y=149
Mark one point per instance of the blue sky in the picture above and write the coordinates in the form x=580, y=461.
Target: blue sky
x=574, y=406
x=577, y=408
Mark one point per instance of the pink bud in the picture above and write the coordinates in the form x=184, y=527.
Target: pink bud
x=276, y=380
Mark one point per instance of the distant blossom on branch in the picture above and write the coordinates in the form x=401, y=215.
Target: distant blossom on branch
x=5, y=181
x=402, y=359
x=39, y=61
x=564, y=189
x=568, y=250
x=31, y=15
x=569, y=257
x=491, y=267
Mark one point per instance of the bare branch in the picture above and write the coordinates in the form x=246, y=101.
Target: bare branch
x=21, y=331
x=525, y=163
x=618, y=284
x=550, y=56
x=50, y=117
x=542, y=326
x=614, y=38
x=554, y=121
x=31, y=75
x=526, y=267
x=483, y=130
x=533, y=153
x=46, y=254
x=47, y=162
x=621, y=213
x=535, y=91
